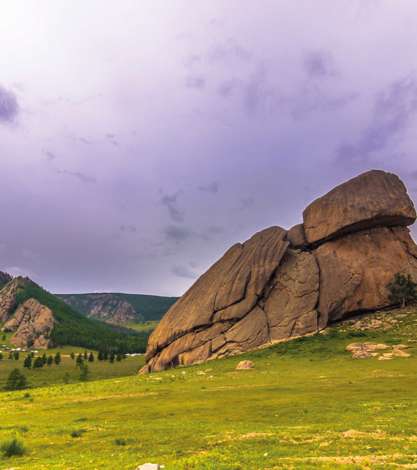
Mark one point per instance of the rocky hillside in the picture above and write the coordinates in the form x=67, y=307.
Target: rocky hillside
x=283, y=284
x=39, y=319
x=120, y=308
x=4, y=279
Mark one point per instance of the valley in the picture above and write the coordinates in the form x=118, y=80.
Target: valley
x=306, y=404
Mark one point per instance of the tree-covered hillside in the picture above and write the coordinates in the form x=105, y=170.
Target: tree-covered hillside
x=147, y=307
x=73, y=328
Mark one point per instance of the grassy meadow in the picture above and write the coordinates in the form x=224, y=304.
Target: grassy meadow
x=307, y=404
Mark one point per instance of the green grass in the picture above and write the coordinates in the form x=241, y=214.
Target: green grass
x=71, y=327
x=67, y=370
x=145, y=327
x=306, y=405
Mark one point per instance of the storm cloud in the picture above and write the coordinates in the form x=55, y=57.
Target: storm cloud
x=138, y=136
x=9, y=107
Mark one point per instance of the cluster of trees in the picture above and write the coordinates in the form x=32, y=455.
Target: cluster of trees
x=16, y=381
x=32, y=362
x=402, y=290
x=110, y=356
x=13, y=355
x=73, y=328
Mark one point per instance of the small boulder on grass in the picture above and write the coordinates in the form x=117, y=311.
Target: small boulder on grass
x=150, y=466
x=245, y=365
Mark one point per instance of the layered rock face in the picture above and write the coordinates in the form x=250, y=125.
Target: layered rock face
x=32, y=325
x=105, y=307
x=8, y=293
x=283, y=284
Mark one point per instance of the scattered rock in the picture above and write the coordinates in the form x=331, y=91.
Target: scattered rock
x=150, y=466
x=367, y=350
x=397, y=352
x=280, y=285
x=245, y=365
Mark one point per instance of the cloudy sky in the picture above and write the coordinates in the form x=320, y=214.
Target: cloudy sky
x=140, y=139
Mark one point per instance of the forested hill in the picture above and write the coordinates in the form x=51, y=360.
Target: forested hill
x=120, y=308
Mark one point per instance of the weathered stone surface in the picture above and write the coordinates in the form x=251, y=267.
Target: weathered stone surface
x=106, y=307
x=375, y=198
x=291, y=306
x=296, y=236
x=355, y=270
x=279, y=285
x=32, y=325
x=225, y=294
x=8, y=294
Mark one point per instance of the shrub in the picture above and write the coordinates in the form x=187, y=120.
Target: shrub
x=84, y=372
x=12, y=447
x=28, y=361
x=402, y=290
x=16, y=381
x=57, y=358
x=38, y=362
x=120, y=442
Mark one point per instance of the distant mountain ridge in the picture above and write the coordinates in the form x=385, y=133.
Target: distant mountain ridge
x=38, y=319
x=119, y=308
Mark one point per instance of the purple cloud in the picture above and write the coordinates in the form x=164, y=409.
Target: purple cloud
x=9, y=107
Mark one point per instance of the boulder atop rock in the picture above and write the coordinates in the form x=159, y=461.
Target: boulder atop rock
x=372, y=199
x=280, y=285
x=32, y=325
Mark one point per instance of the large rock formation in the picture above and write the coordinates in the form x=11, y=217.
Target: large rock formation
x=32, y=325
x=8, y=297
x=280, y=284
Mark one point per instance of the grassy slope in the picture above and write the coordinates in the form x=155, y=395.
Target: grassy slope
x=306, y=405
x=149, y=307
x=54, y=374
x=75, y=329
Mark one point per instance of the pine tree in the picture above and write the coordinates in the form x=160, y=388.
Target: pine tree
x=84, y=372
x=50, y=360
x=57, y=358
x=402, y=290
x=79, y=362
x=27, y=362
x=16, y=381
x=38, y=363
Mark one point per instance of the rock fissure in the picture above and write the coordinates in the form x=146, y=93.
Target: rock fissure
x=283, y=284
